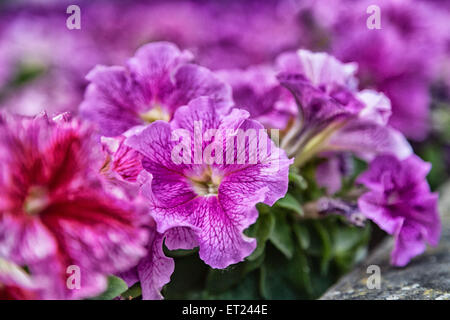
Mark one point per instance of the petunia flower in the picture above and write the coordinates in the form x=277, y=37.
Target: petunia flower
x=399, y=201
x=54, y=211
x=333, y=115
x=125, y=176
x=155, y=82
x=257, y=90
x=205, y=187
x=154, y=270
x=329, y=174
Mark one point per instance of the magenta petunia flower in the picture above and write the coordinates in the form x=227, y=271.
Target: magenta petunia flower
x=54, y=212
x=153, y=271
x=323, y=88
x=156, y=81
x=208, y=183
x=257, y=90
x=329, y=174
x=121, y=162
x=369, y=134
x=125, y=176
x=399, y=201
x=334, y=116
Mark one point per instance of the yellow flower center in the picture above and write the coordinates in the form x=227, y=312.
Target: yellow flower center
x=206, y=184
x=36, y=201
x=155, y=113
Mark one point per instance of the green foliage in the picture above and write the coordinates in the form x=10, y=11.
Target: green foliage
x=133, y=292
x=295, y=257
x=116, y=287
x=432, y=152
x=26, y=73
x=261, y=230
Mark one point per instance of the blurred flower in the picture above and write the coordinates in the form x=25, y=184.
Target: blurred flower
x=15, y=283
x=399, y=201
x=216, y=201
x=121, y=159
x=53, y=210
x=157, y=80
x=153, y=271
x=43, y=63
x=348, y=210
x=329, y=173
x=400, y=59
x=258, y=91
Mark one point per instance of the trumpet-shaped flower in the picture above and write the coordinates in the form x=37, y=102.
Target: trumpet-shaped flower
x=155, y=82
x=399, y=201
x=333, y=115
x=54, y=211
x=258, y=91
x=208, y=183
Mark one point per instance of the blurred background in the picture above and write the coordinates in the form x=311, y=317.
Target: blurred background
x=43, y=63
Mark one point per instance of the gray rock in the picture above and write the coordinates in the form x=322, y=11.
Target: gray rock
x=425, y=277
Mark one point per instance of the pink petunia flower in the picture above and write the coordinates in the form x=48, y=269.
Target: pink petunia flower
x=399, y=201
x=333, y=115
x=156, y=81
x=194, y=187
x=257, y=90
x=54, y=211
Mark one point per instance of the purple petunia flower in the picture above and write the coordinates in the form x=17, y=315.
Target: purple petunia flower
x=196, y=188
x=399, y=201
x=258, y=91
x=153, y=271
x=125, y=176
x=334, y=116
x=329, y=173
x=54, y=212
x=156, y=81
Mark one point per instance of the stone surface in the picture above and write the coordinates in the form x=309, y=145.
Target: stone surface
x=425, y=277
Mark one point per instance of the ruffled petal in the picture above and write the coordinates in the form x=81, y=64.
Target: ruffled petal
x=114, y=100
x=368, y=139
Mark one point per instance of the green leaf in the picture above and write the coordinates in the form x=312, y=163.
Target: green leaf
x=116, y=287
x=247, y=289
x=296, y=179
x=133, y=292
x=289, y=202
x=349, y=245
x=326, y=251
x=438, y=174
x=219, y=281
x=261, y=230
x=179, y=252
x=281, y=278
x=188, y=279
x=302, y=233
x=281, y=237
x=26, y=73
